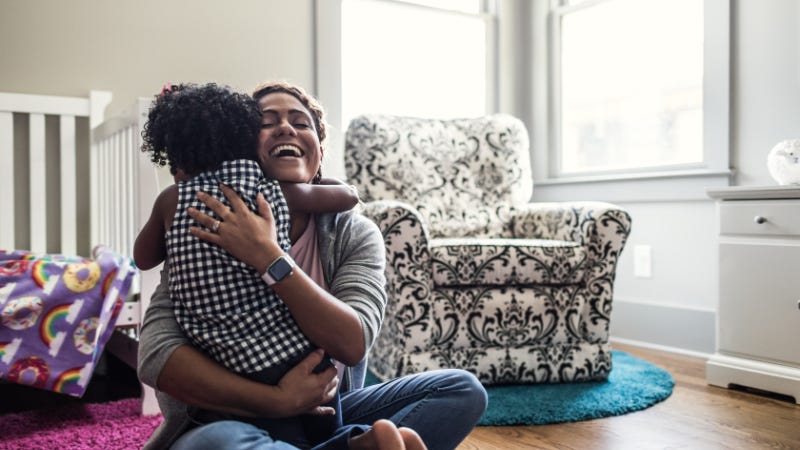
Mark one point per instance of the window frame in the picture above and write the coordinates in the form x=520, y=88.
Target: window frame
x=328, y=69
x=664, y=183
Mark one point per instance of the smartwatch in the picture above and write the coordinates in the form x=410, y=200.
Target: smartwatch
x=278, y=270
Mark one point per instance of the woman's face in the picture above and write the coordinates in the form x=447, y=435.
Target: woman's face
x=288, y=145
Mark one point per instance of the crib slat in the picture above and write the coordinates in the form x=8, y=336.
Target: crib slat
x=116, y=189
x=123, y=187
x=108, y=187
x=130, y=164
x=94, y=201
x=103, y=185
x=7, y=180
x=38, y=178
x=111, y=214
x=69, y=213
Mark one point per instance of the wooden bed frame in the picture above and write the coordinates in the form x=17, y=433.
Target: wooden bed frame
x=71, y=179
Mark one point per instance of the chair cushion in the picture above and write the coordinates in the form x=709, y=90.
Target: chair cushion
x=498, y=262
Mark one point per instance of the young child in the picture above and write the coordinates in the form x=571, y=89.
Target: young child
x=208, y=134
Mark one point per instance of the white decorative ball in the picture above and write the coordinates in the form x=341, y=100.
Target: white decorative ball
x=783, y=162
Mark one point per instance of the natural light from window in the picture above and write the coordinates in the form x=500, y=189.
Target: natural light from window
x=631, y=79
x=406, y=59
x=468, y=6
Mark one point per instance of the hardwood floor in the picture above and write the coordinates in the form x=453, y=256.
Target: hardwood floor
x=695, y=416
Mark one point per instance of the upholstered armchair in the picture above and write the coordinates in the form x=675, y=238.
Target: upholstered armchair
x=478, y=278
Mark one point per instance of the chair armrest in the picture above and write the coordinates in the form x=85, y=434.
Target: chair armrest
x=601, y=227
x=408, y=257
x=409, y=281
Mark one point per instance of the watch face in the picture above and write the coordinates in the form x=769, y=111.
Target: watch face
x=280, y=269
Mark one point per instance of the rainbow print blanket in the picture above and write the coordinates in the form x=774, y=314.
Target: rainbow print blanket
x=56, y=314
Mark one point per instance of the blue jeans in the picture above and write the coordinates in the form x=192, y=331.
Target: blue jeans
x=442, y=406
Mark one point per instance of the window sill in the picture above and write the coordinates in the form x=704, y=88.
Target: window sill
x=689, y=185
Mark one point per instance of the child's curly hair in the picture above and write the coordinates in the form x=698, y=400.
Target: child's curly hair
x=196, y=128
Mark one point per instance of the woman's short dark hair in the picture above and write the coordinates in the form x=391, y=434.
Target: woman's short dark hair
x=311, y=103
x=196, y=128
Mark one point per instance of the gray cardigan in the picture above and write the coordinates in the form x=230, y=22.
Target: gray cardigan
x=353, y=260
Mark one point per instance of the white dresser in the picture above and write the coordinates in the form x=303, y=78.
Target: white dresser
x=758, y=320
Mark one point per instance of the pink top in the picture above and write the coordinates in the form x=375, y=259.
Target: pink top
x=305, y=253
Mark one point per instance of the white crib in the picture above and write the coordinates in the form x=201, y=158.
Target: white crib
x=71, y=179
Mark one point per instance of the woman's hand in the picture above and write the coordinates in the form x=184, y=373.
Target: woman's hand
x=250, y=238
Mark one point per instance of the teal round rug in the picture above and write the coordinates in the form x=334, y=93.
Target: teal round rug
x=633, y=384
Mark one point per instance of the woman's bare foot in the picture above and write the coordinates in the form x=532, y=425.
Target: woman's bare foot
x=384, y=435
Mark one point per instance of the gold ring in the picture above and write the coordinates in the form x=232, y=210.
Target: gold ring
x=215, y=227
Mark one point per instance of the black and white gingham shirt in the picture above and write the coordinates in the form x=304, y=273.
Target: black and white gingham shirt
x=222, y=304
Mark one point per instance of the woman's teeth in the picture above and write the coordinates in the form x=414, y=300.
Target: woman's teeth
x=287, y=150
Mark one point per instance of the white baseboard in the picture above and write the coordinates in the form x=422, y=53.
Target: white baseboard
x=663, y=348
x=666, y=327
x=726, y=370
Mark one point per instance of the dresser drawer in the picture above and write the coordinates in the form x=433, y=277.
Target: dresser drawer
x=769, y=217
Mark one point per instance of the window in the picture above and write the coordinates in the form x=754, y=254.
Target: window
x=637, y=89
x=427, y=58
x=631, y=91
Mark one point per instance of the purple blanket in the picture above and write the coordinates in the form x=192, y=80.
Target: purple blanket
x=57, y=314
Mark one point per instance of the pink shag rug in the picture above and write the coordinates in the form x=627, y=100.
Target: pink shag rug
x=113, y=425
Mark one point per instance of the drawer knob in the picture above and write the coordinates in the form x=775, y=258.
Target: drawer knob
x=759, y=219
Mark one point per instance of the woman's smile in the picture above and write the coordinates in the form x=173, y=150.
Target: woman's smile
x=286, y=150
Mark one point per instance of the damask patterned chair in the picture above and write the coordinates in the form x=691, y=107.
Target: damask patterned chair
x=477, y=277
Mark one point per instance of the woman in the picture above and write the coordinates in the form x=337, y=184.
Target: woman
x=342, y=316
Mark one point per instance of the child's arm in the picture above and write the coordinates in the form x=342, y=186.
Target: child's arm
x=329, y=196
x=150, y=248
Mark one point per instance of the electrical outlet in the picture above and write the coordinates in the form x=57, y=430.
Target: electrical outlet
x=642, y=261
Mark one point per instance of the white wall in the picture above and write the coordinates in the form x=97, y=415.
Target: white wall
x=132, y=48
x=683, y=286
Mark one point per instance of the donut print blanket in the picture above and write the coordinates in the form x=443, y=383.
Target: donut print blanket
x=56, y=314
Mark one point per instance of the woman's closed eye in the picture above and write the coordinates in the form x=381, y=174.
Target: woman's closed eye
x=301, y=125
